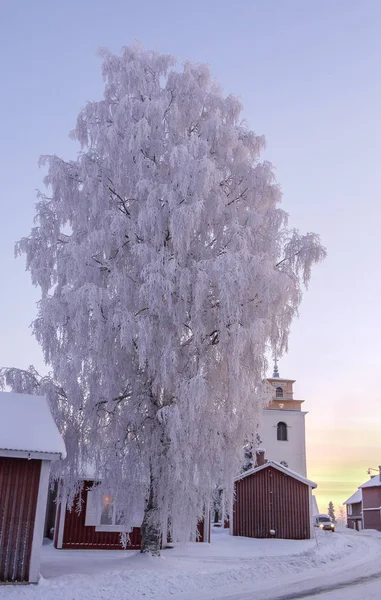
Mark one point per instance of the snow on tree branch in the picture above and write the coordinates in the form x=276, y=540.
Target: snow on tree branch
x=166, y=270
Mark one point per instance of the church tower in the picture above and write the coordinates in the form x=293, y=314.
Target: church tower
x=282, y=431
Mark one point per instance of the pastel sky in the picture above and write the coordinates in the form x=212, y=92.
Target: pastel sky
x=308, y=74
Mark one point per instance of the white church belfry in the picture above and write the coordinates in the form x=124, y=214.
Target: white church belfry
x=282, y=431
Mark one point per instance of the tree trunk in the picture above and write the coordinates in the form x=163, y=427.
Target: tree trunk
x=151, y=525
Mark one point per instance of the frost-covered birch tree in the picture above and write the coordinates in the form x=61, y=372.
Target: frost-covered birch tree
x=167, y=270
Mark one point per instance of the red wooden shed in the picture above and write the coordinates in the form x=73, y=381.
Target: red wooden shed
x=272, y=501
x=29, y=441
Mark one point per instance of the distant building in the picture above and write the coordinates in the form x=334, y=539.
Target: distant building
x=354, y=511
x=364, y=506
x=282, y=431
x=371, y=503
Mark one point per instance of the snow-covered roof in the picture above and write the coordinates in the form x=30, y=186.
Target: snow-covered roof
x=281, y=379
x=27, y=425
x=276, y=465
x=374, y=482
x=356, y=497
x=87, y=471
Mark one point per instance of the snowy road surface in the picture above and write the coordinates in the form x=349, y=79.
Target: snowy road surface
x=361, y=588
x=367, y=591
x=353, y=577
x=338, y=566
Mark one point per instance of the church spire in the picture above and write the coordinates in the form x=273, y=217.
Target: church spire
x=276, y=372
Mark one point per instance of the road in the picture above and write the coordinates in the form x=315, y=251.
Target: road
x=360, y=580
x=345, y=581
x=363, y=591
x=364, y=588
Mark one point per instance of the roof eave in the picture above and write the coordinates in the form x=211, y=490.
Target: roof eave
x=281, y=468
x=31, y=454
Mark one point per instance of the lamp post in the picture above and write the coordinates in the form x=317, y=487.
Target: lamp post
x=378, y=470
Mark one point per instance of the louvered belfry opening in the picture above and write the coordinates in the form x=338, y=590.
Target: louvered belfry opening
x=19, y=483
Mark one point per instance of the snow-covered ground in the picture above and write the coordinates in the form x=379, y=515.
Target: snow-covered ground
x=229, y=567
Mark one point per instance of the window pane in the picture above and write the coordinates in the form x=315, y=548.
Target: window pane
x=119, y=519
x=107, y=510
x=282, y=432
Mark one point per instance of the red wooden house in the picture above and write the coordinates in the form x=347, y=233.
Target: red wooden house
x=364, y=506
x=273, y=501
x=29, y=441
x=96, y=527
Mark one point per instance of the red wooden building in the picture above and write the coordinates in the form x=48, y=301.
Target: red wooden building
x=371, y=503
x=272, y=501
x=363, y=507
x=96, y=526
x=29, y=441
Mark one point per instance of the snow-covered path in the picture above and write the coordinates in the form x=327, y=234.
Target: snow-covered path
x=228, y=569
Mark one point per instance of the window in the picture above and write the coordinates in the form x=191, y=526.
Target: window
x=279, y=392
x=281, y=432
x=108, y=513
x=101, y=513
x=349, y=509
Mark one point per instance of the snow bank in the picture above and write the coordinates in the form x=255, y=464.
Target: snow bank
x=194, y=570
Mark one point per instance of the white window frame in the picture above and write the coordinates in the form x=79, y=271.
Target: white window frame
x=349, y=509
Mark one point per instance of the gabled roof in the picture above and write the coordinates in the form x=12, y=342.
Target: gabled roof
x=374, y=482
x=27, y=425
x=356, y=497
x=281, y=468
